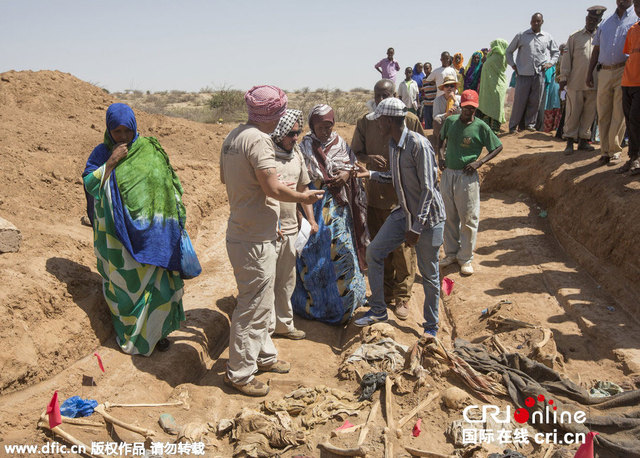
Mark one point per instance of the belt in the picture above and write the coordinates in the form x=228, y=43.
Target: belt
x=612, y=67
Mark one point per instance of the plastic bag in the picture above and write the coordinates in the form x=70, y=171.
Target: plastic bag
x=75, y=406
x=190, y=266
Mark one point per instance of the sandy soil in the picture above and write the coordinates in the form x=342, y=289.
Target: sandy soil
x=574, y=271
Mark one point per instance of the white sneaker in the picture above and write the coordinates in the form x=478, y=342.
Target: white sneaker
x=447, y=261
x=466, y=268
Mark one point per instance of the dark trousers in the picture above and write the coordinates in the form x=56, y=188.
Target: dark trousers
x=427, y=116
x=526, y=103
x=631, y=108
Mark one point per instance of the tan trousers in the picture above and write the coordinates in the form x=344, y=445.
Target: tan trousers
x=285, y=282
x=254, y=266
x=461, y=197
x=610, y=114
x=399, y=266
x=581, y=111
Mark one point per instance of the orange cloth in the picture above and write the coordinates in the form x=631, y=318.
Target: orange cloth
x=631, y=75
x=450, y=103
x=458, y=65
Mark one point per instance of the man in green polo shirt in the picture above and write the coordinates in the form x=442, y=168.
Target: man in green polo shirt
x=463, y=138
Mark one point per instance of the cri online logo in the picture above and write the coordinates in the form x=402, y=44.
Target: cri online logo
x=546, y=416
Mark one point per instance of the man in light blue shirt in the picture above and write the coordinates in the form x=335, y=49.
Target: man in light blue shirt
x=608, y=55
x=418, y=220
x=537, y=51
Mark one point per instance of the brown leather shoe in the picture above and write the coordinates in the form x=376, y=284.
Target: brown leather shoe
x=279, y=367
x=296, y=334
x=254, y=388
x=402, y=309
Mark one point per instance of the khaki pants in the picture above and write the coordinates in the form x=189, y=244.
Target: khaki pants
x=254, y=266
x=285, y=282
x=610, y=114
x=461, y=197
x=580, y=114
x=399, y=266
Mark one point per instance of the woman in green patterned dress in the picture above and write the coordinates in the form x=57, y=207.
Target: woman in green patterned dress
x=137, y=219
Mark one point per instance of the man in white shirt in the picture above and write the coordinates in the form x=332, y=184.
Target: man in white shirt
x=408, y=91
x=439, y=73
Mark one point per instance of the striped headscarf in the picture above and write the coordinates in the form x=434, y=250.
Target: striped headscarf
x=286, y=123
x=321, y=112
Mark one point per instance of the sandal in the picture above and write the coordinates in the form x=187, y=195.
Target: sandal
x=163, y=344
x=634, y=168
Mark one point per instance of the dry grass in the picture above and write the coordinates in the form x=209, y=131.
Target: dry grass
x=227, y=105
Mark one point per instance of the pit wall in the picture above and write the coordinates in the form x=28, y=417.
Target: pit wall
x=594, y=213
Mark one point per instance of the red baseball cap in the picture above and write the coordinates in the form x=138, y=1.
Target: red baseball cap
x=469, y=97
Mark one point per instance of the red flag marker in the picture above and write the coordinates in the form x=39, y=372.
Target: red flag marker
x=447, y=285
x=416, y=428
x=53, y=411
x=586, y=449
x=99, y=361
x=345, y=425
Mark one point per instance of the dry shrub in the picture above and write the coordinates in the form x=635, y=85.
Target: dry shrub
x=228, y=104
x=211, y=105
x=348, y=106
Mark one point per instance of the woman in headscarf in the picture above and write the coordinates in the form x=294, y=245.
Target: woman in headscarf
x=493, y=86
x=472, y=72
x=137, y=227
x=330, y=284
x=418, y=74
x=458, y=65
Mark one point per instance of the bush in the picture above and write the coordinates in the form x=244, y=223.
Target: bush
x=228, y=104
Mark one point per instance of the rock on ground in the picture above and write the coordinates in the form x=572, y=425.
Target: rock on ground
x=10, y=237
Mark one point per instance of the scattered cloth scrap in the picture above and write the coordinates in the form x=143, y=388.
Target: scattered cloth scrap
x=370, y=383
x=75, y=407
x=387, y=350
x=604, y=389
x=526, y=378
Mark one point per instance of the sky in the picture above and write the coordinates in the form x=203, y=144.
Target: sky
x=190, y=45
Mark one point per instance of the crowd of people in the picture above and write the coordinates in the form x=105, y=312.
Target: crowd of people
x=583, y=89
x=373, y=207
x=379, y=206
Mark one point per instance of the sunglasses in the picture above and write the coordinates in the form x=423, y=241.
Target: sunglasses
x=451, y=86
x=294, y=133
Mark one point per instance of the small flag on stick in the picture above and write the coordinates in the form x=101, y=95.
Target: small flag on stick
x=53, y=411
x=347, y=424
x=586, y=449
x=99, y=361
x=416, y=428
x=447, y=285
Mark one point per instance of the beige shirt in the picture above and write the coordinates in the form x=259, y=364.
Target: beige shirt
x=254, y=217
x=291, y=173
x=575, y=61
x=367, y=139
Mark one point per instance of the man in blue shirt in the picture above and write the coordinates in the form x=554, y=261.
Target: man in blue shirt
x=608, y=55
x=537, y=51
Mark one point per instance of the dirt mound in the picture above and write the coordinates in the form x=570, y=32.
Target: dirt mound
x=52, y=121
